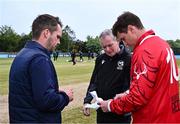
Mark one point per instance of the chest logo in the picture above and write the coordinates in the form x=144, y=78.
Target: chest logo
x=138, y=73
x=120, y=65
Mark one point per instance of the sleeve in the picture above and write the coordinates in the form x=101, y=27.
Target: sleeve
x=92, y=84
x=44, y=87
x=143, y=75
x=127, y=72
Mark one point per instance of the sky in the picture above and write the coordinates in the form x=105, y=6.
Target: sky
x=91, y=17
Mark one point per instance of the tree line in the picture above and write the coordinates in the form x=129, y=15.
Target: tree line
x=10, y=41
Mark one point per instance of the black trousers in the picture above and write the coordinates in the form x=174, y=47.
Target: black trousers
x=112, y=118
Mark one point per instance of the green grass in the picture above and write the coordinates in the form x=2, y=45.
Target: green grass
x=178, y=62
x=4, y=75
x=78, y=117
x=67, y=73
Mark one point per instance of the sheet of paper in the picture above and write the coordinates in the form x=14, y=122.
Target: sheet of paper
x=97, y=100
x=93, y=106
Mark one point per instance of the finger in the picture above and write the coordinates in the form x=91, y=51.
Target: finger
x=86, y=112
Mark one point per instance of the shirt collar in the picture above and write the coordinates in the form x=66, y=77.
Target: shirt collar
x=36, y=45
x=149, y=32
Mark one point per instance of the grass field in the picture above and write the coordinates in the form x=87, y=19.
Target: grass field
x=67, y=74
x=74, y=116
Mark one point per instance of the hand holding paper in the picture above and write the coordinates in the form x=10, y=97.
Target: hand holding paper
x=97, y=100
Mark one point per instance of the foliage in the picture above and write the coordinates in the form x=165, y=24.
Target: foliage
x=93, y=44
x=24, y=39
x=68, y=37
x=80, y=46
x=8, y=39
x=175, y=45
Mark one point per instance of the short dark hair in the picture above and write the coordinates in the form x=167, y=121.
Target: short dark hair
x=42, y=22
x=127, y=18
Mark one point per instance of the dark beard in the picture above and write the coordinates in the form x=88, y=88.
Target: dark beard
x=49, y=46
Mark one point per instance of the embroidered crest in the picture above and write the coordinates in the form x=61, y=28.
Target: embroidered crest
x=120, y=65
x=138, y=74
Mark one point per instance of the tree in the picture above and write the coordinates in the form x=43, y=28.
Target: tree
x=81, y=46
x=8, y=39
x=93, y=44
x=175, y=45
x=68, y=37
x=24, y=39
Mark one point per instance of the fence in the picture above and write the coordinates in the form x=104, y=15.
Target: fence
x=13, y=55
